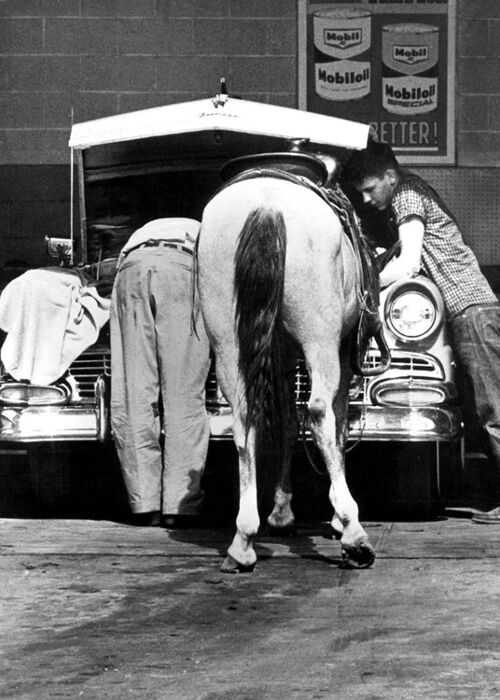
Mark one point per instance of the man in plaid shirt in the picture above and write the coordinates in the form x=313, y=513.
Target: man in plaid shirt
x=430, y=240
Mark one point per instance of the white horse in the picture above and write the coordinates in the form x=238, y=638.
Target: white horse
x=275, y=269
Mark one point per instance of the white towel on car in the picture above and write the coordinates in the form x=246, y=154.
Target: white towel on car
x=50, y=316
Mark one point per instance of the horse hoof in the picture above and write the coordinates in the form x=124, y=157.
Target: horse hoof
x=337, y=533
x=231, y=566
x=288, y=530
x=360, y=557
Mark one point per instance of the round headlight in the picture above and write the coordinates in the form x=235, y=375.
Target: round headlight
x=413, y=312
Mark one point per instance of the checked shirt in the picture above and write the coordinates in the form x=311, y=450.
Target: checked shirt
x=446, y=258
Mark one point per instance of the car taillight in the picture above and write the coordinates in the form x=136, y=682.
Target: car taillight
x=22, y=394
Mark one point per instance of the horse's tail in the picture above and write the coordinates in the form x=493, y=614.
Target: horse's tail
x=259, y=276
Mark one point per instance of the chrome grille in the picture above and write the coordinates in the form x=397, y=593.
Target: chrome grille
x=88, y=367
x=402, y=363
x=97, y=361
x=214, y=398
x=302, y=387
x=407, y=362
x=302, y=384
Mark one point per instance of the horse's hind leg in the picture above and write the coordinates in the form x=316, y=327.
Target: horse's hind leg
x=282, y=519
x=328, y=433
x=241, y=555
x=340, y=410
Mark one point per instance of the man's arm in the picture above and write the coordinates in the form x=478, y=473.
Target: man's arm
x=407, y=264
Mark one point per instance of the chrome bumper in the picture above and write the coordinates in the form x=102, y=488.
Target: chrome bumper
x=86, y=421
x=425, y=424
x=49, y=423
x=379, y=423
x=90, y=422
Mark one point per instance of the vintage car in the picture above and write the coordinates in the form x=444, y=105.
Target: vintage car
x=166, y=161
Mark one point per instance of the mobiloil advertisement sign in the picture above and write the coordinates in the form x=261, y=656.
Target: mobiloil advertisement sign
x=410, y=68
x=342, y=42
x=389, y=63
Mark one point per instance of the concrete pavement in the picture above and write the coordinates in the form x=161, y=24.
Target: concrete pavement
x=99, y=609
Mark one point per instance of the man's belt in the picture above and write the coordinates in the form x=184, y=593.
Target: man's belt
x=153, y=243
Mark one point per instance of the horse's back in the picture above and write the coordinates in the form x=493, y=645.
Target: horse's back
x=225, y=215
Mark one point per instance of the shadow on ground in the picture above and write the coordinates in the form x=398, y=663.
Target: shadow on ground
x=390, y=481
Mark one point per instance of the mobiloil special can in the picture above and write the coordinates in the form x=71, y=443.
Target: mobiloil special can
x=342, y=43
x=410, y=68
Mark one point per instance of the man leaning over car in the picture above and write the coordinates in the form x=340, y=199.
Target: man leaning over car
x=430, y=239
x=160, y=361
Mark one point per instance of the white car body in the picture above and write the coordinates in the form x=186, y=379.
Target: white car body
x=182, y=148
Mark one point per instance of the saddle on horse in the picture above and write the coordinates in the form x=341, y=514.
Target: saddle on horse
x=311, y=171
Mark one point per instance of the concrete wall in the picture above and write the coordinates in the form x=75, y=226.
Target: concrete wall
x=82, y=59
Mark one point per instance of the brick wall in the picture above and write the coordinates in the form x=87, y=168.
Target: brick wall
x=93, y=58
x=83, y=59
x=478, y=83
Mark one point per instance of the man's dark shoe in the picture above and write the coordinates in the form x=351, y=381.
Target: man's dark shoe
x=149, y=519
x=180, y=522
